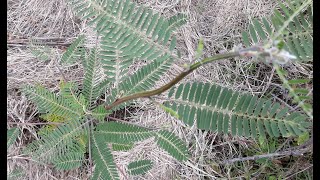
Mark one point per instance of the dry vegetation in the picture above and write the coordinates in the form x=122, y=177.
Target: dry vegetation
x=218, y=22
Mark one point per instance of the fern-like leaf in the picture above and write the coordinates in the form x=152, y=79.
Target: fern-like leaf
x=299, y=95
x=114, y=132
x=176, y=21
x=48, y=102
x=15, y=174
x=100, y=113
x=63, y=140
x=140, y=167
x=40, y=51
x=114, y=64
x=215, y=108
x=292, y=23
x=92, y=79
x=172, y=144
x=144, y=79
x=68, y=161
x=12, y=135
x=103, y=159
x=74, y=51
x=129, y=31
x=122, y=147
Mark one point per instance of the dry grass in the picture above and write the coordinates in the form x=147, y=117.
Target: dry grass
x=218, y=22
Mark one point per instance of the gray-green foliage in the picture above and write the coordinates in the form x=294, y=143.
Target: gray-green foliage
x=74, y=52
x=102, y=157
x=139, y=167
x=122, y=147
x=12, y=135
x=220, y=109
x=39, y=50
x=15, y=174
x=291, y=22
x=130, y=33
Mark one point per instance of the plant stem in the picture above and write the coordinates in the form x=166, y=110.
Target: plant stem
x=30, y=124
x=298, y=152
x=174, y=81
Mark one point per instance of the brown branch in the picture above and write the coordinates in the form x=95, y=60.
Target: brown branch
x=24, y=157
x=27, y=43
x=172, y=82
x=297, y=152
x=122, y=172
x=44, y=123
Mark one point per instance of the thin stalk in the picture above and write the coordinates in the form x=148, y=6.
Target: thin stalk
x=178, y=78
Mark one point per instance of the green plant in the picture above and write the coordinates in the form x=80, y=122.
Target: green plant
x=292, y=24
x=12, y=135
x=131, y=33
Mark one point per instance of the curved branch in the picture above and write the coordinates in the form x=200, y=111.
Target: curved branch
x=172, y=82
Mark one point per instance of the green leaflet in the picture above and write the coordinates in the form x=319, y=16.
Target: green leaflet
x=74, y=51
x=139, y=167
x=292, y=26
x=50, y=102
x=101, y=154
x=172, y=144
x=61, y=141
x=122, y=147
x=15, y=174
x=114, y=132
x=40, y=51
x=170, y=111
x=12, y=135
x=212, y=111
x=68, y=161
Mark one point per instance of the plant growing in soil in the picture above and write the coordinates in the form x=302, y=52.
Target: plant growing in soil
x=129, y=33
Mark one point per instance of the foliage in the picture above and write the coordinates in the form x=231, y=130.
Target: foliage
x=216, y=108
x=105, y=166
x=293, y=27
x=12, y=135
x=15, y=174
x=39, y=50
x=172, y=144
x=139, y=167
x=291, y=23
x=131, y=33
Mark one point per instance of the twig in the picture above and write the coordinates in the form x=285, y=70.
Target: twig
x=44, y=123
x=183, y=74
x=298, y=172
x=298, y=152
x=90, y=127
x=125, y=176
x=89, y=145
x=29, y=159
x=21, y=43
x=63, y=76
x=174, y=81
